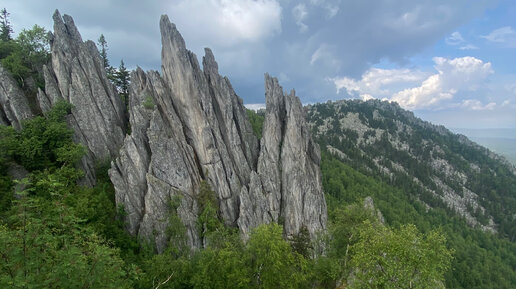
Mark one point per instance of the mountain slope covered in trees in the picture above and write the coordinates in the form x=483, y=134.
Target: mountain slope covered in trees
x=423, y=174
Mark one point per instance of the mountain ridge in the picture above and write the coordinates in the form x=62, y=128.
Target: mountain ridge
x=438, y=167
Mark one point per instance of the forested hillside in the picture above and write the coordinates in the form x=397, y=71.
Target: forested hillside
x=423, y=174
x=56, y=233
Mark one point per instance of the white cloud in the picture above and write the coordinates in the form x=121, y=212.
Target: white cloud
x=505, y=36
x=255, y=106
x=455, y=39
x=319, y=53
x=331, y=7
x=474, y=104
x=227, y=22
x=414, y=89
x=506, y=102
x=380, y=82
x=458, y=74
x=430, y=93
x=299, y=12
x=366, y=97
x=324, y=55
x=464, y=72
x=468, y=47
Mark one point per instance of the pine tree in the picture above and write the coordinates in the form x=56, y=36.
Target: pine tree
x=110, y=70
x=103, y=50
x=122, y=81
x=5, y=26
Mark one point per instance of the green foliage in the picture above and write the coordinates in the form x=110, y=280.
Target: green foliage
x=176, y=231
x=119, y=77
x=5, y=25
x=8, y=47
x=344, y=228
x=16, y=65
x=121, y=81
x=399, y=258
x=476, y=252
x=272, y=262
x=103, y=51
x=256, y=121
x=267, y=261
x=35, y=45
x=6, y=192
x=406, y=141
x=45, y=148
x=208, y=220
x=25, y=56
x=301, y=243
x=220, y=268
x=60, y=235
x=57, y=234
x=43, y=143
x=148, y=102
x=42, y=244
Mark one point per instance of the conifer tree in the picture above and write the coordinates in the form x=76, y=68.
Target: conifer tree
x=5, y=26
x=122, y=81
x=103, y=50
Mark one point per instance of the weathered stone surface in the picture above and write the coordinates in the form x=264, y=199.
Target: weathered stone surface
x=14, y=105
x=188, y=125
x=77, y=75
x=289, y=163
x=155, y=163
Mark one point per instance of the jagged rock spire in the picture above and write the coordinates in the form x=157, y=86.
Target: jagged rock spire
x=77, y=75
x=189, y=125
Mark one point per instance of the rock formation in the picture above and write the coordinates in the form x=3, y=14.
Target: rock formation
x=77, y=75
x=188, y=125
x=288, y=169
x=14, y=105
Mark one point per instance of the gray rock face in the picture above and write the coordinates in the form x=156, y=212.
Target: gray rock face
x=289, y=162
x=156, y=163
x=188, y=125
x=77, y=75
x=14, y=105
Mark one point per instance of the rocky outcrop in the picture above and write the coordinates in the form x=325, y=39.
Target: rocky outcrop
x=188, y=125
x=156, y=163
x=77, y=75
x=288, y=169
x=14, y=105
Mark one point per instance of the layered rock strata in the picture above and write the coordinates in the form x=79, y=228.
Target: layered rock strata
x=188, y=125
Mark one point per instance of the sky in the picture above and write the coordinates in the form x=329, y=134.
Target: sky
x=451, y=62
